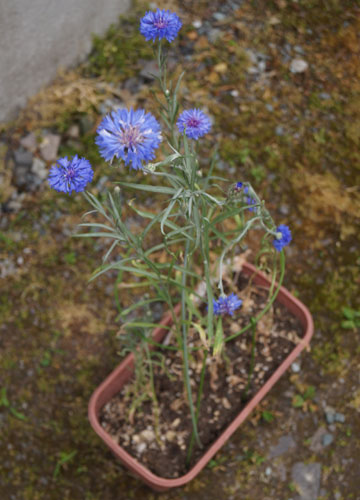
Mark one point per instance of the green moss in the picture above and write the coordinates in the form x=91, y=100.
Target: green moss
x=117, y=55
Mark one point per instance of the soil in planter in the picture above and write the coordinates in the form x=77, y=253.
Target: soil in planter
x=226, y=388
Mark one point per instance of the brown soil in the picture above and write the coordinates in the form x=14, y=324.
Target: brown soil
x=224, y=388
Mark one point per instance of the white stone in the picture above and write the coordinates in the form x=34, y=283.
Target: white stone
x=148, y=435
x=141, y=447
x=298, y=66
x=38, y=168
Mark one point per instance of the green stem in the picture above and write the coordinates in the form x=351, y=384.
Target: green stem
x=198, y=403
x=273, y=280
x=154, y=398
x=185, y=346
x=230, y=245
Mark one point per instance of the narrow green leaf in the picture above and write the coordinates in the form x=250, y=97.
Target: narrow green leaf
x=17, y=414
x=219, y=338
x=3, y=398
x=151, y=189
x=267, y=416
x=96, y=224
x=137, y=305
x=111, y=248
x=145, y=324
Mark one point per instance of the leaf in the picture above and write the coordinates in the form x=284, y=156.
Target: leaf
x=202, y=334
x=309, y=393
x=221, y=67
x=168, y=211
x=145, y=324
x=298, y=401
x=348, y=324
x=348, y=313
x=70, y=258
x=3, y=398
x=17, y=414
x=131, y=308
x=152, y=189
x=219, y=338
x=64, y=458
x=267, y=416
x=46, y=360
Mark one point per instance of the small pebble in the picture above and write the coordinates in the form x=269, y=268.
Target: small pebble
x=339, y=417
x=175, y=423
x=214, y=34
x=141, y=447
x=295, y=367
x=298, y=49
x=170, y=435
x=327, y=439
x=219, y=16
x=197, y=24
x=298, y=66
x=268, y=471
x=262, y=66
x=330, y=417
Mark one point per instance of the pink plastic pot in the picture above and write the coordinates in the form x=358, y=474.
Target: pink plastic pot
x=120, y=376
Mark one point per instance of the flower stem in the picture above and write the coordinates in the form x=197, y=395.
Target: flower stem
x=198, y=403
x=185, y=346
x=153, y=397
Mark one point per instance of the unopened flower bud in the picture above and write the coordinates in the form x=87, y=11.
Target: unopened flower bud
x=151, y=167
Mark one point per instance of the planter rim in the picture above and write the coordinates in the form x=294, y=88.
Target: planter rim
x=285, y=297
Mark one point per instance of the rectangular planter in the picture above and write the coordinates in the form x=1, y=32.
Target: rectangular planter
x=123, y=373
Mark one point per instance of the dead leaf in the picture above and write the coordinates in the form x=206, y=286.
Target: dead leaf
x=221, y=68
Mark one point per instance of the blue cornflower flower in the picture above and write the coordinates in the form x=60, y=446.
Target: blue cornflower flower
x=70, y=175
x=227, y=305
x=160, y=24
x=195, y=122
x=130, y=135
x=251, y=201
x=282, y=238
x=238, y=186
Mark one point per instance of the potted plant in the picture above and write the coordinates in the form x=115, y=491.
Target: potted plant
x=230, y=332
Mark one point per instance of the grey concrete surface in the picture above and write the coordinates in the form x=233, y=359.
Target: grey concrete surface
x=39, y=36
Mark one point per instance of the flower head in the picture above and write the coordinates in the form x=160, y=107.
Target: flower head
x=238, y=186
x=195, y=122
x=70, y=175
x=227, y=305
x=251, y=201
x=283, y=237
x=160, y=24
x=130, y=135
